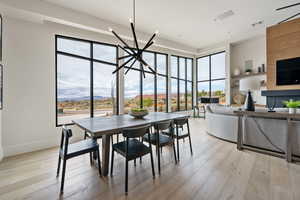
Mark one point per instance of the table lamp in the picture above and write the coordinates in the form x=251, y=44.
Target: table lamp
x=249, y=84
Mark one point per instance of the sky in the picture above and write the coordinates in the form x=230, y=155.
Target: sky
x=74, y=73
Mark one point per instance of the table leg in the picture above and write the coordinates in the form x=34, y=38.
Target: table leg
x=288, y=153
x=105, y=154
x=240, y=133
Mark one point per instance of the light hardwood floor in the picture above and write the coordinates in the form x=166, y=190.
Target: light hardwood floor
x=215, y=171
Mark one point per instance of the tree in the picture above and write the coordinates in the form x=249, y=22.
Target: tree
x=147, y=102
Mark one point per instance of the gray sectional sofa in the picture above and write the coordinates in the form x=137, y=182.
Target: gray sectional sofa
x=221, y=122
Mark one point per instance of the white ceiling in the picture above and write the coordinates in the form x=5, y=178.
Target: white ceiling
x=190, y=22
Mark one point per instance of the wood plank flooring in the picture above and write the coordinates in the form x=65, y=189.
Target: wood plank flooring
x=215, y=171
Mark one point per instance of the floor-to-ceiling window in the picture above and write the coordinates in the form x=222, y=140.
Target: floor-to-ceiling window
x=181, y=83
x=85, y=84
x=149, y=92
x=211, y=77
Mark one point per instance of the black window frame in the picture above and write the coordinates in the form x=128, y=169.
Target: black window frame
x=92, y=60
x=210, y=80
x=185, y=80
x=155, y=79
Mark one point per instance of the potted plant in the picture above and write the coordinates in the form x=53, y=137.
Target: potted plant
x=248, y=71
x=292, y=105
x=138, y=113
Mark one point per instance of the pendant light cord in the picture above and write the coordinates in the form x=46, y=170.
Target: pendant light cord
x=134, y=12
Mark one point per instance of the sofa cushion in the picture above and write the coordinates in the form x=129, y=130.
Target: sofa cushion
x=220, y=109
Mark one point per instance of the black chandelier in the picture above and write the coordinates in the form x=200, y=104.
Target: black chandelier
x=291, y=17
x=134, y=54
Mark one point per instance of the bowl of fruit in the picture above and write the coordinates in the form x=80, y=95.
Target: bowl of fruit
x=138, y=113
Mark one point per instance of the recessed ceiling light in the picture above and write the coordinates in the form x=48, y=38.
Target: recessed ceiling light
x=224, y=15
x=257, y=23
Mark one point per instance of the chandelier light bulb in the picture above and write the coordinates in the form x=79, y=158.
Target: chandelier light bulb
x=130, y=20
x=156, y=32
x=110, y=29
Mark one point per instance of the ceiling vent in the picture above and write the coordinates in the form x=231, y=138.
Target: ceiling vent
x=224, y=15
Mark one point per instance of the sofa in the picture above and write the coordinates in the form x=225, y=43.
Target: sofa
x=222, y=123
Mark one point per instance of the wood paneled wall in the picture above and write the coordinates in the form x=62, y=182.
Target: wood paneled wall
x=283, y=42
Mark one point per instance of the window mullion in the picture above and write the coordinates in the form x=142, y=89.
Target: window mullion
x=155, y=83
x=91, y=81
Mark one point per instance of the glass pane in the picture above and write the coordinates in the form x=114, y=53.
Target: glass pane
x=131, y=90
x=149, y=59
x=182, y=68
x=218, y=90
x=189, y=96
x=105, y=53
x=174, y=66
x=148, y=92
x=104, y=90
x=203, y=68
x=161, y=64
x=161, y=94
x=182, y=95
x=74, y=47
x=218, y=66
x=174, y=87
x=203, y=90
x=189, y=69
x=73, y=89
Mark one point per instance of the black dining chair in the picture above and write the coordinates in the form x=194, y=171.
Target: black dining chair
x=132, y=148
x=182, y=132
x=67, y=151
x=160, y=140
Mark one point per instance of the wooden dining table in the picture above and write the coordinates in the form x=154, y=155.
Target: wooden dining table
x=106, y=126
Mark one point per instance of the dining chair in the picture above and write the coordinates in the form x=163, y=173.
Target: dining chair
x=131, y=148
x=182, y=133
x=160, y=140
x=68, y=151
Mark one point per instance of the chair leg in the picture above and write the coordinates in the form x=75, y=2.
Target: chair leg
x=112, y=162
x=177, y=150
x=126, y=177
x=135, y=162
x=99, y=163
x=152, y=164
x=58, y=166
x=158, y=157
x=63, y=176
x=189, y=131
x=177, y=140
x=141, y=156
x=174, y=152
x=91, y=158
x=190, y=144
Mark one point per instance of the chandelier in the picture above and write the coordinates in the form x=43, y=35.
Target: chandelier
x=134, y=54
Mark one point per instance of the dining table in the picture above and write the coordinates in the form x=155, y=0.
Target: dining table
x=105, y=127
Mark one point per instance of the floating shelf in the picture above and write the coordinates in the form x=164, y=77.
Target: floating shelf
x=250, y=75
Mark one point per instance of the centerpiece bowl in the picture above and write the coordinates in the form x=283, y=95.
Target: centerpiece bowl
x=138, y=113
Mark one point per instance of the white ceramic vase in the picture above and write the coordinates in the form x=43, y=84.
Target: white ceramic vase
x=237, y=72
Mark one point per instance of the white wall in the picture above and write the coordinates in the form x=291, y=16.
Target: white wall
x=252, y=49
x=28, y=116
x=1, y=148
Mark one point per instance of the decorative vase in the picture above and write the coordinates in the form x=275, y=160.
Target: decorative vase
x=292, y=110
x=237, y=72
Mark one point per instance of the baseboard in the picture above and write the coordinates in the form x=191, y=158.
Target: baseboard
x=32, y=146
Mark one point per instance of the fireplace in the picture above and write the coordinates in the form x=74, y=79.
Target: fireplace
x=278, y=96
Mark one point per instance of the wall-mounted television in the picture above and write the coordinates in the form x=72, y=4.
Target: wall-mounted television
x=288, y=71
